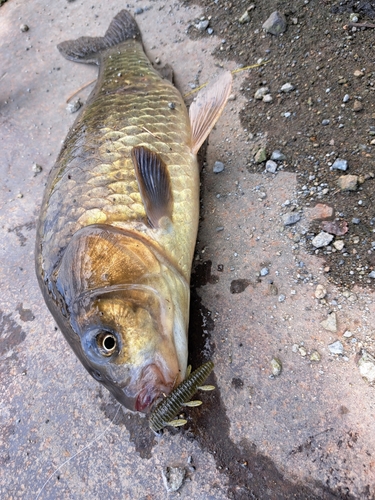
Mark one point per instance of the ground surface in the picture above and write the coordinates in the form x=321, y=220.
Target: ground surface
x=306, y=433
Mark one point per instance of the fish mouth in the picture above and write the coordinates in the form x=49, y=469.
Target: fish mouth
x=154, y=385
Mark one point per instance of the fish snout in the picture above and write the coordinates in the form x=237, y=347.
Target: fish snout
x=155, y=383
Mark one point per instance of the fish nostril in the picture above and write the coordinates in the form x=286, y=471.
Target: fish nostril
x=106, y=343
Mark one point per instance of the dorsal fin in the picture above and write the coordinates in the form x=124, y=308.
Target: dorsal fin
x=154, y=184
x=86, y=49
x=207, y=108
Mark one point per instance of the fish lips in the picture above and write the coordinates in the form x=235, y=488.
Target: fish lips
x=155, y=384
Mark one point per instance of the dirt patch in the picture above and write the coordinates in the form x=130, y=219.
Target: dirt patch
x=328, y=115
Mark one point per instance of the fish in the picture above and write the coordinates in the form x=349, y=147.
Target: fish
x=119, y=218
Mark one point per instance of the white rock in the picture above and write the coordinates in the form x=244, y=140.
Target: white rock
x=261, y=92
x=367, y=367
x=271, y=166
x=336, y=348
x=322, y=239
x=339, y=244
x=320, y=292
x=287, y=87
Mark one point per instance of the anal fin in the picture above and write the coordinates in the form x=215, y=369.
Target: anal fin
x=207, y=108
x=154, y=184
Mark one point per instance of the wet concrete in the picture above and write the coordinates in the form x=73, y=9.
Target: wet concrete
x=305, y=434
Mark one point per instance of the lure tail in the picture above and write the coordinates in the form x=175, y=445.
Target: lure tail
x=87, y=49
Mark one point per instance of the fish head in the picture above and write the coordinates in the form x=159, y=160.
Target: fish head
x=127, y=344
x=126, y=314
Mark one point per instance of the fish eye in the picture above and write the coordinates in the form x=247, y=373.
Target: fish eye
x=106, y=342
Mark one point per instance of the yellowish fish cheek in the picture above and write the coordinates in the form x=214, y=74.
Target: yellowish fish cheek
x=138, y=339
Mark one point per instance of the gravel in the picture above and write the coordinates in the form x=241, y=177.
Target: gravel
x=287, y=87
x=340, y=165
x=291, y=218
x=218, y=167
x=276, y=367
x=367, y=367
x=271, y=166
x=330, y=323
x=322, y=239
x=173, y=477
x=348, y=182
x=336, y=348
x=277, y=155
x=275, y=24
x=261, y=92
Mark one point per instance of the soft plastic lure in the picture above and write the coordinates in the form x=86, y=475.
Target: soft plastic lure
x=169, y=407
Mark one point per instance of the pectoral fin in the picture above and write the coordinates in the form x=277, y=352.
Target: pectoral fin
x=207, y=108
x=154, y=184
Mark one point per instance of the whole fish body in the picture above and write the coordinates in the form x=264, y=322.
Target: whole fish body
x=119, y=219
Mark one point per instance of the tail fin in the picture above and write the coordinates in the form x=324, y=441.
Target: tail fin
x=86, y=49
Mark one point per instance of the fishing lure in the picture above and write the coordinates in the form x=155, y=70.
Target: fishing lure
x=168, y=408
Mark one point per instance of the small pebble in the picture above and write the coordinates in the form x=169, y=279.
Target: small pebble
x=276, y=367
x=347, y=334
x=287, y=87
x=322, y=239
x=340, y=165
x=173, y=477
x=320, y=292
x=261, y=155
x=210, y=31
x=336, y=348
x=302, y=351
x=346, y=98
x=355, y=220
x=277, y=155
x=267, y=98
x=138, y=11
x=372, y=274
x=330, y=323
x=74, y=106
x=348, y=182
x=357, y=106
x=325, y=122
x=203, y=25
x=36, y=168
x=271, y=166
x=281, y=297
x=264, y=271
x=275, y=24
x=245, y=18
x=24, y=28
x=291, y=218
x=261, y=92
x=339, y=245
x=315, y=356
x=367, y=367
x=218, y=167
